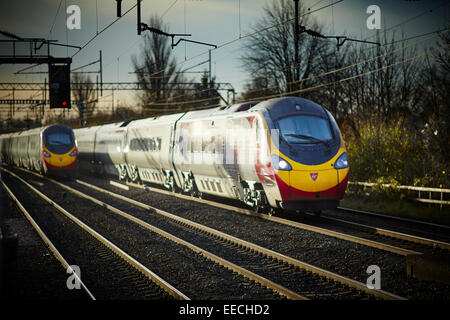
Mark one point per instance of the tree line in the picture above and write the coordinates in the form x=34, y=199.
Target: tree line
x=392, y=101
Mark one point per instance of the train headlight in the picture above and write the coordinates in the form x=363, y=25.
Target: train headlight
x=341, y=162
x=74, y=153
x=280, y=164
x=46, y=154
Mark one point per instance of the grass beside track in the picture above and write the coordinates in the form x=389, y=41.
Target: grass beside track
x=401, y=208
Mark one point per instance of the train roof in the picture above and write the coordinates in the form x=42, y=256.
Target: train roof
x=31, y=131
x=281, y=106
x=220, y=111
x=189, y=115
x=276, y=107
x=25, y=132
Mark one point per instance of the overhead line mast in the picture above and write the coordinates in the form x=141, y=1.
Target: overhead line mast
x=143, y=27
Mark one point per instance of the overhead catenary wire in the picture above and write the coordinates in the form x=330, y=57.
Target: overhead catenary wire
x=302, y=79
x=138, y=38
x=54, y=19
x=242, y=37
x=104, y=29
x=268, y=28
x=426, y=52
x=369, y=48
x=235, y=40
x=309, y=78
x=301, y=90
x=167, y=10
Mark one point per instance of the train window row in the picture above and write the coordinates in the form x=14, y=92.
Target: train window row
x=146, y=144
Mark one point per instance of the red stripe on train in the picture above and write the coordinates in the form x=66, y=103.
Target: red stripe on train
x=70, y=166
x=290, y=193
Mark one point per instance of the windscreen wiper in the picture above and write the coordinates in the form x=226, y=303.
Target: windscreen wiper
x=302, y=136
x=58, y=143
x=291, y=148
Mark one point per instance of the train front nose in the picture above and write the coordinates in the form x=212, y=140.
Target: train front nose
x=313, y=187
x=316, y=184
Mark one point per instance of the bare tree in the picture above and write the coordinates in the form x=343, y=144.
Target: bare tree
x=84, y=93
x=156, y=68
x=256, y=88
x=270, y=54
x=374, y=83
x=436, y=103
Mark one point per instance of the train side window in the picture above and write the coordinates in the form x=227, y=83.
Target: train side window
x=152, y=144
x=133, y=145
x=142, y=145
x=159, y=143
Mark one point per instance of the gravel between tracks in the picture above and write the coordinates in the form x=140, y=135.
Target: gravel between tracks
x=101, y=271
x=292, y=278
x=35, y=274
x=189, y=272
x=340, y=256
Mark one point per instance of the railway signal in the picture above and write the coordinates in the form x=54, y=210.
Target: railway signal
x=59, y=86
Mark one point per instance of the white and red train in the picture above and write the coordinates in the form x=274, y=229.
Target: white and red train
x=284, y=153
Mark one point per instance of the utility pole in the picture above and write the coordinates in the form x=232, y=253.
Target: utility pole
x=112, y=109
x=81, y=108
x=45, y=99
x=210, y=78
x=296, y=73
x=139, y=17
x=101, y=74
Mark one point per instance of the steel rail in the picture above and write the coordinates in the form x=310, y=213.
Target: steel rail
x=339, y=235
x=130, y=260
x=394, y=234
x=316, y=270
x=233, y=267
x=46, y=240
x=229, y=265
x=394, y=217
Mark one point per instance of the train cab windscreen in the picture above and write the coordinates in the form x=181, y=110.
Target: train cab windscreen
x=59, y=139
x=305, y=129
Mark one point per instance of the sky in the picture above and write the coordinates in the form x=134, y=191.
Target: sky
x=212, y=21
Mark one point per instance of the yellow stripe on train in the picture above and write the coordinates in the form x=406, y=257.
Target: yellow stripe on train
x=59, y=160
x=300, y=175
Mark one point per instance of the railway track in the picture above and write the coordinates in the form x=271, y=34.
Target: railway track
x=422, y=232
x=258, y=287
x=368, y=235
x=296, y=279
x=343, y=262
x=30, y=259
x=395, y=276
x=122, y=275
x=258, y=258
x=46, y=240
x=395, y=238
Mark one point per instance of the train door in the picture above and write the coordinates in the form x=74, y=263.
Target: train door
x=124, y=167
